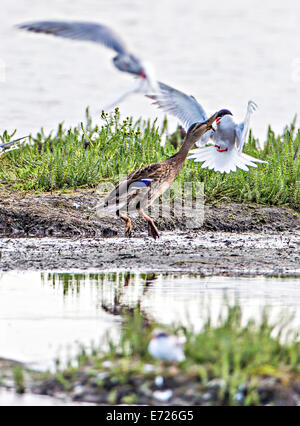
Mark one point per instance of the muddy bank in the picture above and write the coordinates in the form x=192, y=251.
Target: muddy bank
x=62, y=231
x=88, y=386
x=179, y=389
x=202, y=252
x=74, y=215
x=16, y=388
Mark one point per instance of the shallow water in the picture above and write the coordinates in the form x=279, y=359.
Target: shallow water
x=224, y=53
x=48, y=315
x=9, y=398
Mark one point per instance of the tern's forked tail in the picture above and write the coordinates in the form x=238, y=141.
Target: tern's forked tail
x=223, y=162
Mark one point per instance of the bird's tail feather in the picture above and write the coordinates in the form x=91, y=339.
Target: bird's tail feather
x=223, y=162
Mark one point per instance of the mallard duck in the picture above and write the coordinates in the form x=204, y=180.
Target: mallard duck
x=124, y=61
x=229, y=138
x=139, y=190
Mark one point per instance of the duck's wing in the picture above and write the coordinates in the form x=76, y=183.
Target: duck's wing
x=180, y=105
x=86, y=31
x=153, y=172
x=242, y=129
x=134, y=189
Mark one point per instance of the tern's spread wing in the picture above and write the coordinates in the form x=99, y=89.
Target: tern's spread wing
x=139, y=86
x=224, y=162
x=87, y=31
x=180, y=105
x=124, y=196
x=243, y=128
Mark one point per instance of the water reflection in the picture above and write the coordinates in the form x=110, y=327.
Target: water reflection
x=10, y=398
x=43, y=316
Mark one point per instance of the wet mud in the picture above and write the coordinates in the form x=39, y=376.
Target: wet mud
x=63, y=232
x=205, y=253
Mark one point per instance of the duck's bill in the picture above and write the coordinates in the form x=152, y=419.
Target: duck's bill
x=223, y=162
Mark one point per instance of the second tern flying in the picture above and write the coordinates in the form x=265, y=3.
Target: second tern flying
x=124, y=61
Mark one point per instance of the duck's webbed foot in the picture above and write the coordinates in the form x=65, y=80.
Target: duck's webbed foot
x=152, y=230
x=128, y=230
x=127, y=220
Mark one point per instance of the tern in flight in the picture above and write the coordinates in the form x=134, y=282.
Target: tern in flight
x=124, y=61
x=9, y=146
x=227, y=137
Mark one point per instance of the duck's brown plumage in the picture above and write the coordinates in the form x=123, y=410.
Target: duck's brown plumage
x=143, y=186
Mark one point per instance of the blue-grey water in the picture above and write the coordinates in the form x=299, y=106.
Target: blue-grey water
x=224, y=53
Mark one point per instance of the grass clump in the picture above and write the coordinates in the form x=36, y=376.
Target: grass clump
x=232, y=363
x=90, y=154
x=19, y=380
x=84, y=156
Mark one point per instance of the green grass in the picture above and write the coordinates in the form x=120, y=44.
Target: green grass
x=19, y=380
x=61, y=161
x=234, y=355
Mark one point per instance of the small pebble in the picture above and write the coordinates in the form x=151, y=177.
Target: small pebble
x=216, y=383
x=102, y=376
x=159, y=381
x=206, y=397
x=239, y=397
x=78, y=390
x=163, y=396
x=148, y=368
x=242, y=388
